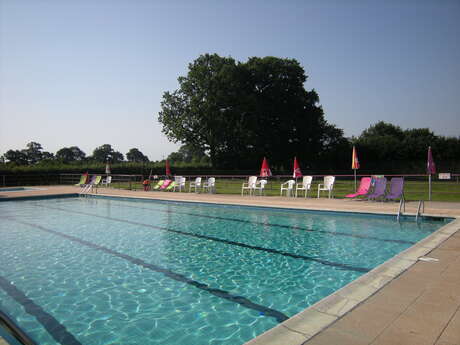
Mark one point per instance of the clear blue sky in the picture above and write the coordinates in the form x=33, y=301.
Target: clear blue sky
x=87, y=73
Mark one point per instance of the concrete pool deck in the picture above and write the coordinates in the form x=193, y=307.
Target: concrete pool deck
x=403, y=301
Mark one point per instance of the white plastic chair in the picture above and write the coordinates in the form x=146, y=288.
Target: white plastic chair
x=250, y=185
x=305, y=186
x=210, y=185
x=180, y=183
x=106, y=181
x=260, y=186
x=328, y=185
x=287, y=186
x=196, y=185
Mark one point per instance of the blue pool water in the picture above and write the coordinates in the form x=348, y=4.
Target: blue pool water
x=118, y=271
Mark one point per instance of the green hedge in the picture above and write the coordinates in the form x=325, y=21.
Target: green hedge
x=158, y=168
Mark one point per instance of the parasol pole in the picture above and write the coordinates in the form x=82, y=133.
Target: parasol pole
x=354, y=163
x=431, y=169
x=355, y=179
x=429, y=187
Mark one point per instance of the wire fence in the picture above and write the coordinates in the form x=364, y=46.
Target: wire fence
x=416, y=186
x=120, y=181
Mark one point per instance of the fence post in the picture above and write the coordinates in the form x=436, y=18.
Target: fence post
x=4, y=181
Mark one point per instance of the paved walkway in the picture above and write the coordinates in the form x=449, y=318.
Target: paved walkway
x=421, y=306
x=406, y=301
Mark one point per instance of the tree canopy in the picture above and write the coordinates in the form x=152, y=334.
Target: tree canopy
x=70, y=154
x=239, y=112
x=105, y=153
x=17, y=157
x=32, y=154
x=134, y=155
x=188, y=154
x=387, y=145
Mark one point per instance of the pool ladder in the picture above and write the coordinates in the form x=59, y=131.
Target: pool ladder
x=86, y=190
x=13, y=329
x=420, y=209
x=402, y=209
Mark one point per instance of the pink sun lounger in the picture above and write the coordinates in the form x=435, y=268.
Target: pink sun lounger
x=165, y=184
x=363, y=189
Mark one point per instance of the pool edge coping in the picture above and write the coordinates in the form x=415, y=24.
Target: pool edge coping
x=223, y=202
x=303, y=326
x=39, y=197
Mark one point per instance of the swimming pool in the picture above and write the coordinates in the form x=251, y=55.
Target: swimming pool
x=118, y=271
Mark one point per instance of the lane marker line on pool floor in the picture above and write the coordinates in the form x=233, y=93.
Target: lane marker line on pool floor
x=284, y=226
x=280, y=317
x=216, y=239
x=57, y=330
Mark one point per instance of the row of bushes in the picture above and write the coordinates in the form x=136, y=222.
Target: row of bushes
x=158, y=168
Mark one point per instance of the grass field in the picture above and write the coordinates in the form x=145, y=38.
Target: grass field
x=413, y=190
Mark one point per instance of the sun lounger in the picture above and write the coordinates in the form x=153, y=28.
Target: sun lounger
x=396, y=189
x=379, y=189
x=91, y=180
x=363, y=188
x=171, y=186
x=94, y=182
x=83, y=179
x=165, y=184
x=158, y=185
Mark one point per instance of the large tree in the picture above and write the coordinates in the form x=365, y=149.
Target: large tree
x=386, y=147
x=106, y=153
x=17, y=157
x=32, y=154
x=188, y=154
x=70, y=154
x=134, y=155
x=239, y=112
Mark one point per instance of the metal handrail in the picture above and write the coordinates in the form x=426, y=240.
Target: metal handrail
x=421, y=206
x=86, y=190
x=402, y=208
x=14, y=330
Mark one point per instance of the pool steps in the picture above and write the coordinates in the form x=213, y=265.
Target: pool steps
x=402, y=209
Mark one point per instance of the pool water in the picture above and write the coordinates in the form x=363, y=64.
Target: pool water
x=119, y=271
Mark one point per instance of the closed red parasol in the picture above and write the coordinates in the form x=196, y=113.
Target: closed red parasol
x=265, y=169
x=168, y=169
x=430, y=166
x=297, y=173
